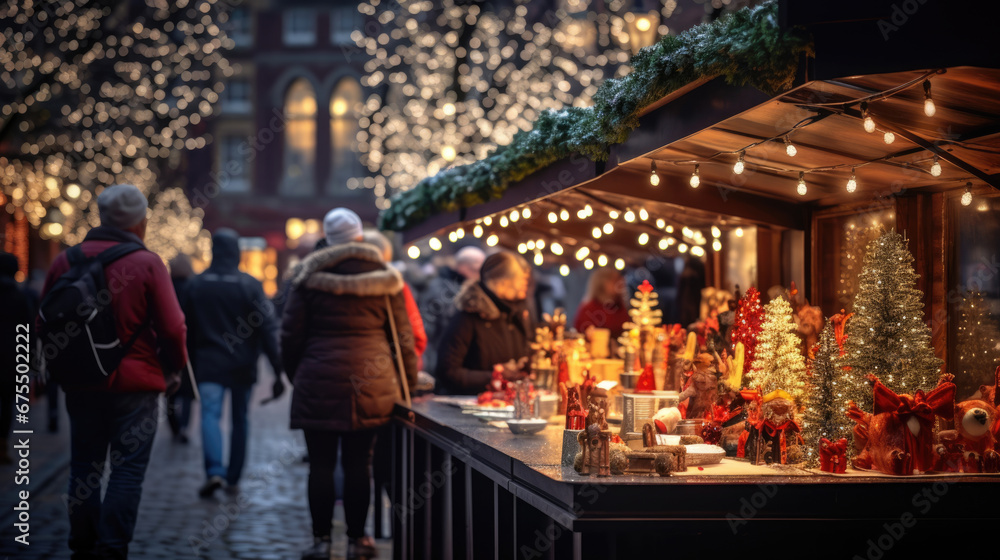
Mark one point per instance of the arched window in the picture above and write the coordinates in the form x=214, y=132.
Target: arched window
x=344, y=114
x=300, y=139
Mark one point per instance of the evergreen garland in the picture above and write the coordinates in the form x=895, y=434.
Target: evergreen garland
x=779, y=363
x=746, y=47
x=887, y=336
x=826, y=406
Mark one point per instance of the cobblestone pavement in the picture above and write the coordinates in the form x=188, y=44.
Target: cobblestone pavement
x=267, y=519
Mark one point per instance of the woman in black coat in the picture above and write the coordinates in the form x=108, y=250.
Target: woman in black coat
x=337, y=349
x=493, y=326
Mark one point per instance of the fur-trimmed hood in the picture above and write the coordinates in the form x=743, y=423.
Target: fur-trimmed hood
x=472, y=298
x=313, y=274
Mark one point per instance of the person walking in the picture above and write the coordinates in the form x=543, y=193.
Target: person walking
x=116, y=416
x=493, y=326
x=231, y=321
x=437, y=301
x=179, y=404
x=337, y=337
x=16, y=321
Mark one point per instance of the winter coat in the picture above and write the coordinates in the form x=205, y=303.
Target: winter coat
x=230, y=319
x=486, y=331
x=145, y=289
x=437, y=307
x=336, y=342
x=417, y=324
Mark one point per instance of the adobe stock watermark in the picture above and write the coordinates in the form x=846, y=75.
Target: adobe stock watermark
x=545, y=540
x=894, y=531
x=750, y=507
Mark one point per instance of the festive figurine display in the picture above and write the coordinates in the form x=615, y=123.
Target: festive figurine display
x=774, y=434
x=974, y=436
x=702, y=391
x=642, y=334
x=839, y=322
x=595, y=439
x=808, y=320
x=833, y=455
x=898, y=437
x=575, y=416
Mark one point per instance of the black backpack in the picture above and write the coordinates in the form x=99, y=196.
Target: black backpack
x=79, y=339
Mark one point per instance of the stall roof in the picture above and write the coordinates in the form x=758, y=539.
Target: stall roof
x=709, y=123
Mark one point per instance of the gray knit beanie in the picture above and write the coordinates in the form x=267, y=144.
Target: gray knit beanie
x=121, y=206
x=341, y=226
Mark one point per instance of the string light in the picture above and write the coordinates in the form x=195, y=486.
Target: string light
x=670, y=229
x=697, y=251
x=660, y=223
x=564, y=270
x=663, y=244
x=588, y=264
x=413, y=252
x=802, y=189
x=643, y=214
x=434, y=243
x=790, y=148
x=540, y=244
x=696, y=176
x=553, y=217
x=739, y=232
x=453, y=237
x=629, y=216
x=682, y=247
x=460, y=233
x=515, y=215
x=526, y=213
x=717, y=245
x=613, y=214
x=556, y=249
x=596, y=233
x=620, y=264
x=477, y=231
x=582, y=253
x=488, y=221
x=564, y=214
x=503, y=221
x=522, y=248
x=967, y=195
x=530, y=245
x=869, y=122
x=643, y=238
x=716, y=232
x=852, y=183
x=654, y=179
x=539, y=259
x=609, y=228
x=936, y=167
x=739, y=166
x=492, y=240
x=929, y=108
x=602, y=260
x=889, y=137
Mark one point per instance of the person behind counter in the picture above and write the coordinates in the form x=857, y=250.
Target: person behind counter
x=604, y=305
x=492, y=326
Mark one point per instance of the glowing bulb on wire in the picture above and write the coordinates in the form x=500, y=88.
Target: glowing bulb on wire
x=929, y=108
x=564, y=270
x=556, y=249
x=852, y=183
x=889, y=138
x=602, y=260
x=967, y=195
x=739, y=166
x=936, y=168
x=434, y=243
x=654, y=179
x=790, y=148
x=802, y=189
x=629, y=216
x=643, y=238
x=696, y=177
x=620, y=264
x=553, y=217
x=869, y=122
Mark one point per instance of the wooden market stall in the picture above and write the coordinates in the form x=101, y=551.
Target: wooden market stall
x=802, y=167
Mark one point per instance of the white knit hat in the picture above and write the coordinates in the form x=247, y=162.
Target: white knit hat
x=121, y=206
x=341, y=226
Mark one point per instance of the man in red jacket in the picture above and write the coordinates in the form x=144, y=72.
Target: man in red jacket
x=121, y=415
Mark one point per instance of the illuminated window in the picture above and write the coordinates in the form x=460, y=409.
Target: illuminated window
x=344, y=128
x=234, y=165
x=344, y=20
x=300, y=138
x=299, y=27
x=239, y=27
x=236, y=97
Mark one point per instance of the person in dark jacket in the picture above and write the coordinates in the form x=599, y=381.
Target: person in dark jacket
x=492, y=326
x=118, y=418
x=337, y=348
x=437, y=300
x=231, y=321
x=16, y=319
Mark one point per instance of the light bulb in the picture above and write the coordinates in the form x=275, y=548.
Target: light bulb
x=629, y=216
x=929, y=108
x=435, y=243
x=477, y=231
x=802, y=189
x=460, y=233
x=663, y=244
x=556, y=249
x=602, y=260
x=564, y=270
x=620, y=264
x=695, y=177
x=539, y=259
x=869, y=125
x=790, y=148
x=936, y=168
x=852, y=183
x=717, y=245
x=492, y=240
x=588, y=264
x=682, y=247
x=488, y=220
x=582, y=253
x=530, y=245
x=564, y=214
x=643, y=238
x=453, y=237
x=413, y=252
x=739, y=232
x=515, y=216
x=739, y=166
x=643, y=215
x=589, y=210
x=660, y=223
x=608, y=228
x=540, y=244
x=967, y=195
x=553, y=217
x=654, y=179
x=613, y=214
x=522, y=248
x=716, y=232
x=670, y=229
x=526, y=213
x=889, y=138
x=503, y=221
x=697, y=251
x=596, y=233
x=581, y=214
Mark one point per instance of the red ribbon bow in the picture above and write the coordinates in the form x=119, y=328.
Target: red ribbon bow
x=940, y=401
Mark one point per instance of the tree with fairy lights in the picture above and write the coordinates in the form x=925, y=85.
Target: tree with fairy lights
x=746, y=325
x=779, y=363
x=887, y=336
x=825, y=415
x=977, y=346
x=101, y=92
x=450, y=81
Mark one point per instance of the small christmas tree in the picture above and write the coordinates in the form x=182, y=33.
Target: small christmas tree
x=826, y=404
x=978, y=342
x=887, y=336
x=779, y=363
x=645, y=312
x=746, y=326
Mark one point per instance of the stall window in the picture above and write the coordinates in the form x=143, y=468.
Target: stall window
x=344, y=129
x=299, y=27
x=841, y=238
x=300, y=138
x=974, y=294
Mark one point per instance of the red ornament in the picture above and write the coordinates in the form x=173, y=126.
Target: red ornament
x=646, y=382
x=747, y=325
x=833, y=456
x=645, y=287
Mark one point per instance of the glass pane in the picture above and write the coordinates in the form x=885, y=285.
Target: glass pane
x=344, y=105
x=300, y=138
x=841, y=241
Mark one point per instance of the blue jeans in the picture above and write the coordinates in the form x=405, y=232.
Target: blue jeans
x=212, y=397
x=125, y=424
